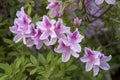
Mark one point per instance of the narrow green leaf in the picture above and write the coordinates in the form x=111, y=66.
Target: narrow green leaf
x=33, y=71
x=4, y=77
x=18, y=63
x=8, y=41
x=4, y=66
x=42, y=59
x=33, y=60
x=50, y=56
x=29, y=9
x=71, y=68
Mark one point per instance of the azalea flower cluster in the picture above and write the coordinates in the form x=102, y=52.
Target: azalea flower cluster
x=47, y=32
x=95, y=60
x=93, y=7
x=107, y=1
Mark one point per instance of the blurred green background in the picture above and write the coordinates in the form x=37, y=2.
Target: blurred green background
x=18, y=62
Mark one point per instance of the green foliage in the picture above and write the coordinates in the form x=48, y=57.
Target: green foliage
x=18, y=62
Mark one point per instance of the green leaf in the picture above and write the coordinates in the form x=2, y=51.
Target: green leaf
x=33, y=71
x=50, y=56
x=18, y=63
x=28, y=65
x=0, y=17
x=80, y=5
x=4, y=66
x=11, y=2
x=12, y=12
x=29, y=9
x=8, y=41
x=63, y=6
x=71, y=68
x=33, y=60
x=4, y=77
x=42, y=59
x=3, y=23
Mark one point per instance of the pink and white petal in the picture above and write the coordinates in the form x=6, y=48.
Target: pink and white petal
x=60, y=49
x=46, y=41
x=53, y=34
x=39, y=45
x=50, y=6
x=75, y=54
x=108, y=58
x=44, y=35
x=97, y=61
x=96, y=54
x=99, y=2
x=41, y=26
x=18, y=37
x=61, y=36
x=13, y=29
x=76, y=47
x=104, y=66
x=84, y=59
x=53, y=21
x=46, y=21
x=65, y=29
x=52, y=41
x=65, y=56
x=52, y=13
x=51, y=0
x=89, y=66
x=20, y=13
x=95, y=70
x=80, y=37
x=88, y=51
x=110, y=1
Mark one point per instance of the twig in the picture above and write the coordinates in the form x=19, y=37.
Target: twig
x=112, y=43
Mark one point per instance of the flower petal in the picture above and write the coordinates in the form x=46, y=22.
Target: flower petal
x=110, y=1
x=39, y=45
x=13, y=29
x=96, y=70
x=44, y=35
x=89, y=66
x=76, y=47
x=98, y=2
x=52, y=41
x=104, y=66
x=75, y=54
x=17, y=38
x=84, y=59
x=65, y=57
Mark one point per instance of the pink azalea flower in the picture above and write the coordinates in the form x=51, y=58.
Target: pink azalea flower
x=95, y=59
x=74, y=39
x=70, y=45
x=35, y=40
x=60, y=29
x=91, y=58
x=103, y=63
x=77, y=21
x=66, y=51
x=107, y=1
x=92, y=8
x=22, y=26
x=55, y=8
x=47, y=28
